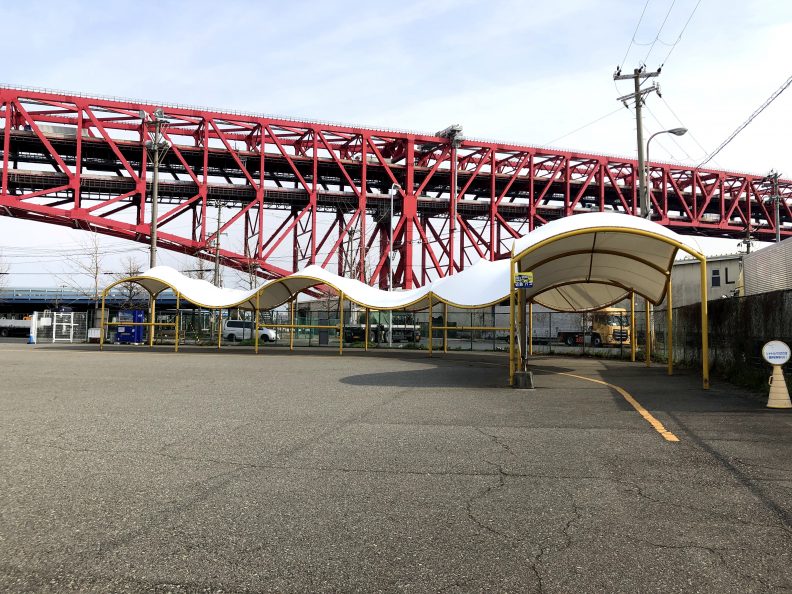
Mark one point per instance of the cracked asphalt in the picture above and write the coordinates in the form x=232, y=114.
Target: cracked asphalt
x=149, y=471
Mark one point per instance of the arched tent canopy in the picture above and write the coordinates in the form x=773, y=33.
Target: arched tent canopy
x=589, y=261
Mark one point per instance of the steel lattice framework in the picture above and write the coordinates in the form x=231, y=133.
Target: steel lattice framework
x=303, y=192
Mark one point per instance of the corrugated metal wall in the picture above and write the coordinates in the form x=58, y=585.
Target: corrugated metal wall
x=769, y=269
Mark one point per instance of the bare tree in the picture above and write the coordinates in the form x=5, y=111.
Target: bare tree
x=200, y=270
x=132, y=293
x=87, y=264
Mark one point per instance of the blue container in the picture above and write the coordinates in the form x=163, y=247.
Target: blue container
x=130, y=334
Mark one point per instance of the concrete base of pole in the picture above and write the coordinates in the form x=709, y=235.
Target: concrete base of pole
x=523, y=380
x=779, y=395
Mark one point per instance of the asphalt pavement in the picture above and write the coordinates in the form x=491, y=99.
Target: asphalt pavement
x=133, y=470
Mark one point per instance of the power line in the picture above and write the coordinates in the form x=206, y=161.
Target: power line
x=629, y=47
x=695, y=8
x=664, y=127
x=752, y=117
x=599, y=119
x=690, y=133
x=660, y=30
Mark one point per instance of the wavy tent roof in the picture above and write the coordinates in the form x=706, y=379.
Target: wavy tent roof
x=592, y=260
x=580, y=263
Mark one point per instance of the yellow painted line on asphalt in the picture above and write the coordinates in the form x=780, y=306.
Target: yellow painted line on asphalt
x=658, y=426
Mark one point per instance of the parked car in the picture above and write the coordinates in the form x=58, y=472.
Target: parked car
x=243, y=330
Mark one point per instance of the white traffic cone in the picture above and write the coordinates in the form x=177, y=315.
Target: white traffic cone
x=779, y=395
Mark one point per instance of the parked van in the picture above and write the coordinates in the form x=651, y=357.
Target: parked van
x=243, y=330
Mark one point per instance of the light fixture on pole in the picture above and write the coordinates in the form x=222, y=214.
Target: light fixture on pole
x=646, y=206
x=772, y=177
x=391, y=256
x=153, y=126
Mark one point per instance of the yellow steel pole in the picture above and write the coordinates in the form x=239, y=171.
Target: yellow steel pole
x=633, y=341
x=670, y=328
x=366, y=331
x=431, y=329
x=648, y=337
x=178, y=322
x=153, y=314
x=704, y=327
x=102, y=329
x=219, y=321
x=291, y=315
x=521, y=325
x=256, y=326
x=530, y=328
x=511, y=323
x=341, y=324
x=445, y=327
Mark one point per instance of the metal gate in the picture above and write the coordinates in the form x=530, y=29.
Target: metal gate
x=63, y=327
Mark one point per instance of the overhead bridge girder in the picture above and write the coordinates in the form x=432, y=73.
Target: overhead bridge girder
x=297, y=193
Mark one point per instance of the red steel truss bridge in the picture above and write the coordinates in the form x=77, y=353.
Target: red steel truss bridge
x=293, y=193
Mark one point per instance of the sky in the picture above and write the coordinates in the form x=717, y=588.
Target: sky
x=531, y=73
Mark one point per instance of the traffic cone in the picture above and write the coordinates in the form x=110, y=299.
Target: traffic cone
x=779, y=395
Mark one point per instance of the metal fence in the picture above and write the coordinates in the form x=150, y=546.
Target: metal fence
x=66, y=327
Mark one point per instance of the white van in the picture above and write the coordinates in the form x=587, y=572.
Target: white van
x=243, y=330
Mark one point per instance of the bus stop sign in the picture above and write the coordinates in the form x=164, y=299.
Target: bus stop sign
x=523, y=280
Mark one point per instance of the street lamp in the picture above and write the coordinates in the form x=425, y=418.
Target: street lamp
x=644, y=169
x=391, y=253
x=156, y=143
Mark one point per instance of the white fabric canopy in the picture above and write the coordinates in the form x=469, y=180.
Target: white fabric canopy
x=592, y=260
x=580, y=263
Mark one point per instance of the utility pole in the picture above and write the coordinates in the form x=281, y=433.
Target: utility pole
x=155, y=144
x=217, y=279
x=772, y=177
x=454, y=134
x=638, y=75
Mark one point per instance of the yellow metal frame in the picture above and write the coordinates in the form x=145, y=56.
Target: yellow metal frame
x=648, y=334
x=515, y=259
x=633, y=341
x=151, y=325
x=530, y=328
x=670, y=329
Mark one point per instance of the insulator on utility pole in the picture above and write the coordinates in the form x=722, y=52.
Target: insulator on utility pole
x=638, y=97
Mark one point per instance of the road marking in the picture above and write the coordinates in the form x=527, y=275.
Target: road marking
x=658, y=426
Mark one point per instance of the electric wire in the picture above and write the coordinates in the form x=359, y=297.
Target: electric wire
x=689, y=132
x=695, y=8
x=673, y=138
x=632, y=41
x=591, y=123
x=660, y=31
x=750, y=119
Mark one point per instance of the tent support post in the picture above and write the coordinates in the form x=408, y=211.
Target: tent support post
x=704, y=327
x=292, y=307
x=511, y=323
x=366, y=331
x=632, y=326
x=521, y=324
x=256, y=326
x=341, y=324
x=102, y=324
x=178, y=322
x=431, y=329
x=445, y=327
x=219, y=319
x=670, y=328
x=648, y=336
x=152, y=314
x=530, y=328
